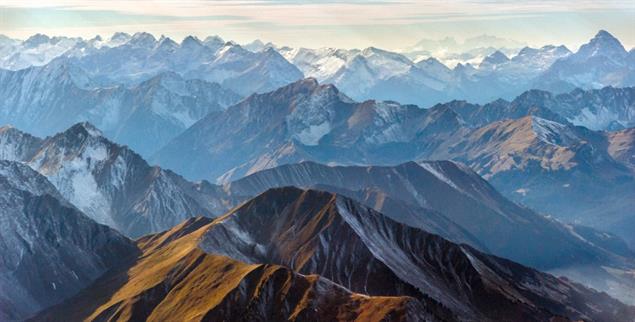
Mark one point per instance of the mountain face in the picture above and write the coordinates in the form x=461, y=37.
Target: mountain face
x=45, y=100
x=229, y=268
x=601, y=62
x=465, y=207
x=50, y=250
x=176, y=280
x=559, y=169
x=115, y=186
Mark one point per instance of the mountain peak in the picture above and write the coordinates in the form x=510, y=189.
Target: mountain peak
x=167, y=42
x=120, y=36
x=37, y=40
x=602, y=44
x=308, y=83
x=495, y=58
x=86, y=128
x=603, y=34
x=190, y=41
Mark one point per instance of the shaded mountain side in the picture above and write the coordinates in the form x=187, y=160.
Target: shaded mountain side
x=174, y=280
x=466, y=208
x=459, y=195
x=49, y=249
x=279, y=240
x=409, y=214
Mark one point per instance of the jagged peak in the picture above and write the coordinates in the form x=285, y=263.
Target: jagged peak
x=191, y=41
x=497, y=57
x=86, y=128
x=166, y=41
x=602, y=44
x=603, y=34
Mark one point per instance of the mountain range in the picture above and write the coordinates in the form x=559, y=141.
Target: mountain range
x=111, y=183
x=304, y=259
x=145, y=179
x=115, y=186
x=370, y=73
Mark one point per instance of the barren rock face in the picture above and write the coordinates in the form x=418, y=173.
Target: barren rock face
x=50, y=250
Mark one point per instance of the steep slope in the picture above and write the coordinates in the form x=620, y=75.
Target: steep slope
x=45, y=100
x=312, y=231
x=175, y=280
x=455, y=192
x=400, y=273
x=622, y=146
x=601, y=62
x=555, y=168
x=115, y=186
x=50, y=250
x=16, y=145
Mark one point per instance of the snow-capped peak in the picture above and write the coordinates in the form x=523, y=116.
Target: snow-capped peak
x=495, y=58
x=603, y=44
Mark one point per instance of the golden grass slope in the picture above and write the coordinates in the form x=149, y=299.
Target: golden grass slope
x=174, y=280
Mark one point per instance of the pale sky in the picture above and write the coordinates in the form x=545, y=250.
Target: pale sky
x=390, y=24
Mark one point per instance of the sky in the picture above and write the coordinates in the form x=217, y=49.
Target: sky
x=390, y=24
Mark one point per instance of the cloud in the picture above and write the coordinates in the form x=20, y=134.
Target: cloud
x=314, y=22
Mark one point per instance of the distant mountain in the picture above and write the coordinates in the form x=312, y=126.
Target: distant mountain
x=50, y=250
x=301, y=121
x=601, y=62
x=391, y=76
x=112, y=184
x=603, y=109
x=417, y=275
x=37, y=50
x=45, y=100
x=143, y=57
x=479, y=74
